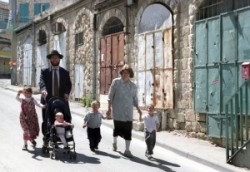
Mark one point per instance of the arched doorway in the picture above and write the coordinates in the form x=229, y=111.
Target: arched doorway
x=154, y=58
x=41, y=53
x=112, y=53
x=27, y=62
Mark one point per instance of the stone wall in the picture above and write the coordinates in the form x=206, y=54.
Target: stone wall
x=84, y=53
x=80, y=18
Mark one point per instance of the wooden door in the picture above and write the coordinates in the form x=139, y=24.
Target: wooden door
x=111, y=59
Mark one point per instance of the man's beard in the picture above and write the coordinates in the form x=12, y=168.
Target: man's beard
x=55, y=63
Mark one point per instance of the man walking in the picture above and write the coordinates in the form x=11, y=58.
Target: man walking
x=54, y=82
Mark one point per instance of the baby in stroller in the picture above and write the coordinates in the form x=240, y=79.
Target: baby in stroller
x=63, y=129
x=58, y=128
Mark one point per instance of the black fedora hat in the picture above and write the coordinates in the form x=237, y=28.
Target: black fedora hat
x=54, y=52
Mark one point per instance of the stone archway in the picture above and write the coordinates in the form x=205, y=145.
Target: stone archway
x=82, y=44
x=154, y=56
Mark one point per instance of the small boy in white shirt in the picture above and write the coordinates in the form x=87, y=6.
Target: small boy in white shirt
x=151, y=125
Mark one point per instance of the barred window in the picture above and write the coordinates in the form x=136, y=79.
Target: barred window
x=113, y=25
x=79, y=38
x=212, y=8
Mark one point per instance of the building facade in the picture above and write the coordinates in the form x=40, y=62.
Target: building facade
x=5, y=43
x=177, y=48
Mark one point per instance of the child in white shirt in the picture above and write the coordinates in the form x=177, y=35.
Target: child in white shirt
x=151, y=125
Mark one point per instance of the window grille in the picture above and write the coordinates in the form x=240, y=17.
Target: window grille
x=79, y=38
x=212, y=8
x=113, y=25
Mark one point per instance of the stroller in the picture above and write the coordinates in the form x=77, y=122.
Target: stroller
x=51, y=140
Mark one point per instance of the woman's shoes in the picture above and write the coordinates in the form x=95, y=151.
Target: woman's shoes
x=128, y=154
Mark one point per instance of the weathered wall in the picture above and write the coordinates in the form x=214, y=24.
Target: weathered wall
x=80, y=18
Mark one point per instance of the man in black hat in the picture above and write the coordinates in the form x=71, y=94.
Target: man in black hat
x=54, y=82
x=49, y=85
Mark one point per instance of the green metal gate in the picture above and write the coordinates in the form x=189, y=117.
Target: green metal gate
x=222, y=44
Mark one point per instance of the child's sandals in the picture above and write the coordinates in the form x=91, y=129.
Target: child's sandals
x=25, y=147
x=33, y=143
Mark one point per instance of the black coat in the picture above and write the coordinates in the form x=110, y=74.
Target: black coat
x=46, y=82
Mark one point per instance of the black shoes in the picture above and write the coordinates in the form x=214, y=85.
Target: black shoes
x=92, y=149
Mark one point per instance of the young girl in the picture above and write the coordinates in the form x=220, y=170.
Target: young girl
x=93, y=121
x=151, y=125
x=28, y=116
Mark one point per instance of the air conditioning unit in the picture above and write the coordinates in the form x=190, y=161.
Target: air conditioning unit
x=57, y=28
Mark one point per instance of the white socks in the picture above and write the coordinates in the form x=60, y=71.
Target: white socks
x=127, y=144
x=115, y=140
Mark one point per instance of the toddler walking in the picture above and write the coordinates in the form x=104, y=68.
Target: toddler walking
x=92, y=121
x=28, y=116
x=151, y=125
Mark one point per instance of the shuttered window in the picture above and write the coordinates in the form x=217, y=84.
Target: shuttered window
x=40, y=7
x=37, y=8
x=24, y=12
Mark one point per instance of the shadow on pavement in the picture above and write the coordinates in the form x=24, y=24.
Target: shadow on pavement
x=64, y=157
x=161, y=163
x=98, y=152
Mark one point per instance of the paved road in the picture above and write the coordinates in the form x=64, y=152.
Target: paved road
x=13, y=159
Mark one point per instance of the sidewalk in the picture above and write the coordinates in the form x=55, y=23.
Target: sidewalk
x=195, y=149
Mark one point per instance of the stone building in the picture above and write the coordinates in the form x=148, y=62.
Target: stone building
x=178, y=49
x=5, y=43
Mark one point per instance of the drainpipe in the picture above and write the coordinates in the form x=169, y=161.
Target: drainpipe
x=127, y=37
x=94, y=58
x=33, y=55
x=129, y=3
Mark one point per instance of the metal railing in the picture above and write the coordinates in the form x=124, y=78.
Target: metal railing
x=237, y=121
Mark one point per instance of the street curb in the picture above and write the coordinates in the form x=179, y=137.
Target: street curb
x=180, y=152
